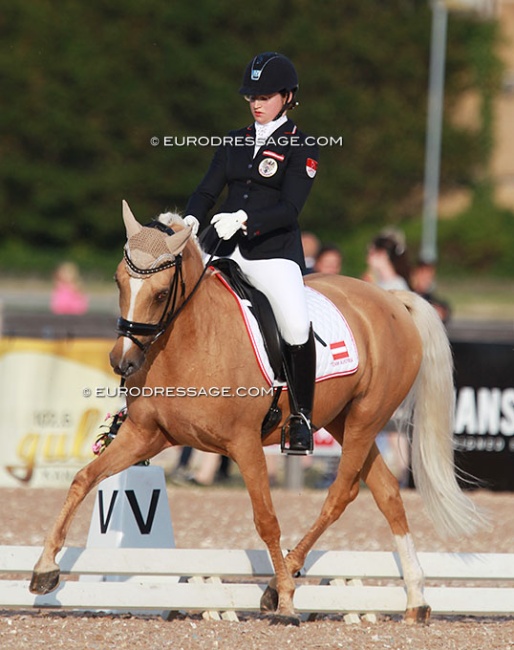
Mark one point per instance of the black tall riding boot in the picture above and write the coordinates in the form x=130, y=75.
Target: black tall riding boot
x=301, y=370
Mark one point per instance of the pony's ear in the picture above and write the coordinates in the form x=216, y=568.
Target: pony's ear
x=177, y=242
x=130, y=221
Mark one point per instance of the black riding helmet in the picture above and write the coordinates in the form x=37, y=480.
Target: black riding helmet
x=268, y=73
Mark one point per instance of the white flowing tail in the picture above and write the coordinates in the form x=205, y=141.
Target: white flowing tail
x=431, y=404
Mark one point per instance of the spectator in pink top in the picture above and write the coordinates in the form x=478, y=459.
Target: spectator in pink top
x=67, y=295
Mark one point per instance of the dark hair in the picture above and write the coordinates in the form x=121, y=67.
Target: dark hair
x=421, y=263
x=329, y=248
x=396, y=252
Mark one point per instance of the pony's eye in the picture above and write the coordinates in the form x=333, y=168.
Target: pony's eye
x=161, y=296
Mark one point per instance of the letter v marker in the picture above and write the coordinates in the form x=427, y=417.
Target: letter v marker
x=145, y=527
x=104, y=523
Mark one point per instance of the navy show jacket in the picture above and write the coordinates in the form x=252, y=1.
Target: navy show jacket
x=271, y=188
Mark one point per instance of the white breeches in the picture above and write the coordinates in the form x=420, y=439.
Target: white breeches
x=281, y=281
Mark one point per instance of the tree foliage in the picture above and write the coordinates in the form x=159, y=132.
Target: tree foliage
x=85, y=86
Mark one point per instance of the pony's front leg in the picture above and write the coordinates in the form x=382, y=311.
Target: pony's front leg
x=45, y=576
x=119, y=455
x=386, y=493
x=278, y=598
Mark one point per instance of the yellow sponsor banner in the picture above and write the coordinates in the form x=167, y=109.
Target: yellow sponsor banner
x=54, y=397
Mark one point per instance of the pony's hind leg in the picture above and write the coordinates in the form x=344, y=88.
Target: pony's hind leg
x=119, y=455
x=386, y=492
x=343, y=490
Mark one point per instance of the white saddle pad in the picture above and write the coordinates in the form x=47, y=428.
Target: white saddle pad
x=336, y=352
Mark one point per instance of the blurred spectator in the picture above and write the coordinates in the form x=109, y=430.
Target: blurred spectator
x=311, y=246
x=388, y=261
x=329, y=260
x=67, y=294
x=423, y=283
x=181, y=473
x=200, y=468
x=388, y=267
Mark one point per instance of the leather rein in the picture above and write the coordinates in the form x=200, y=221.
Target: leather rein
x=132, y=329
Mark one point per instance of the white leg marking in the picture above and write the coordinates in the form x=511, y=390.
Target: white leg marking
x=412, y=571
x=135, y=286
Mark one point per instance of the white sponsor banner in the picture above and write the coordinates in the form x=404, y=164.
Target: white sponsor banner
x=50, y=415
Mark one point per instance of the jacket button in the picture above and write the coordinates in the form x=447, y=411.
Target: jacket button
x=250, y=166
x=245, y=196
x=248, y=182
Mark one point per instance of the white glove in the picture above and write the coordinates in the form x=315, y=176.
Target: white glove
x=193, y=223
x=228, y=223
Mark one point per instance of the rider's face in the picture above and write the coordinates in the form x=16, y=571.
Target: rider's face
x=265, y=108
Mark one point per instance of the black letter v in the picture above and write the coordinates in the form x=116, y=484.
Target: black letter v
x=104, y=523
x=144, y=526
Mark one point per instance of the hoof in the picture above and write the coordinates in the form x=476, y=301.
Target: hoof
x=419, y=614
x=269, y=600
x=43, y=583
x=285, y=619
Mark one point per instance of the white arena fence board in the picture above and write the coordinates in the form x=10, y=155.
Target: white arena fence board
x=235, y=562
x=149, y=589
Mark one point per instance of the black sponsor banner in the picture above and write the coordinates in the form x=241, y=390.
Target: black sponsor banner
x=484, y=413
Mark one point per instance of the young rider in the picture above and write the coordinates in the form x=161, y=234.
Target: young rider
x=269, y=168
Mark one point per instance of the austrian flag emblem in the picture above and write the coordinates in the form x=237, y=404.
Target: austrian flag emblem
x=311, y=167
x=339, y=350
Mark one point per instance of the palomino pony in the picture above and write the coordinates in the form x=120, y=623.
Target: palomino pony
x=181, y=327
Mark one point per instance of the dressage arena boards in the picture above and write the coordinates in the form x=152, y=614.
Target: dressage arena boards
x=221, y=582
x=221, y=518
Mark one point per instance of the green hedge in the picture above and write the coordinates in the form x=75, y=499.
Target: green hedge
x=85, y=86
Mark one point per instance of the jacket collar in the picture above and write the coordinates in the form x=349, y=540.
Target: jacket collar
x=285, y=128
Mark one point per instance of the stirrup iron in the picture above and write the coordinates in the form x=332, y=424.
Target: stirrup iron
x=307, y=449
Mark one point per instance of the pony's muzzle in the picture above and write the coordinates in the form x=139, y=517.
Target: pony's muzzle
x=125, y=357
